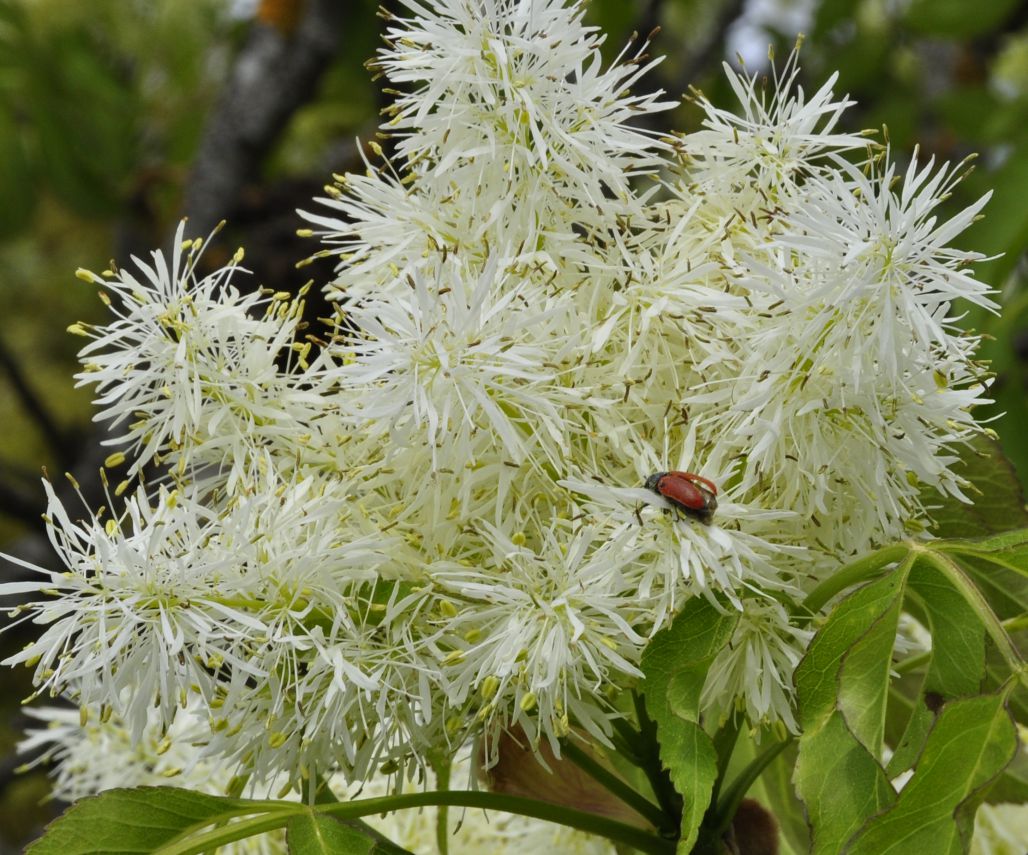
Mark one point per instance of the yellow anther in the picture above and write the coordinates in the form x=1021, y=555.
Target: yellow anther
x=490, y=685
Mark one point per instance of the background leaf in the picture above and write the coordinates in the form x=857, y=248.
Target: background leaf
x=970, y=744
x=774, y=789
x=956, y=665
x=17, y=196
x=839, y=780
x=999, y=503
x=958, y=17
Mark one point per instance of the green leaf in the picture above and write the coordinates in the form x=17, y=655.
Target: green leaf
x=831, y=13
x=999, y=503
x=840, y=783
x=1009, y=549
x=1012, y=785
x=847, y=698
x=864, y=680
x=1005, y=589
x=958, y=18
x=324, y=795
x=959, y=578
x=317, y=834
x=675, y=664
x=837, y=775
x=956, y=666
x=972, y=741
x=17, y=179
x=139, y=820
x=990, y=539
x=817, y=674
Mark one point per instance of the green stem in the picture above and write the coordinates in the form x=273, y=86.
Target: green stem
x=724, y=744
x=616, y=785
x=627, y=740
x=591, y=823
x=210, y=841
x=651, y=764
x=863, y=568
x=442, y=815
x=282, y=812
x=727, y=806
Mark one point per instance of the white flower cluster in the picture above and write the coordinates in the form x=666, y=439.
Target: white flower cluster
x=427, y=524
x=91, y=756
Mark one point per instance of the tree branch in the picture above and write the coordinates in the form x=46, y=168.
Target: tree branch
x=34, y=406
x=273, y=75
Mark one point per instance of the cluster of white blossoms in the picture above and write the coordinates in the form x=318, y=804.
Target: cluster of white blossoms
x=368, y=545
x=90, y=756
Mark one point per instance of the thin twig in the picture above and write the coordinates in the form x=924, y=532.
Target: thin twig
x=34, y=406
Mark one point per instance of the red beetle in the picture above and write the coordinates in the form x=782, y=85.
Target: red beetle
x=694, y=495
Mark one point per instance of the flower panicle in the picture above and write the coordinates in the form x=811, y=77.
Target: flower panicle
x=432, y=525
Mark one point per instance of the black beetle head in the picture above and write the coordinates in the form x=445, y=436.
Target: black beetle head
x=653, y=480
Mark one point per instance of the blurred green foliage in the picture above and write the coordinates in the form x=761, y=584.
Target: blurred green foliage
x=102, y=106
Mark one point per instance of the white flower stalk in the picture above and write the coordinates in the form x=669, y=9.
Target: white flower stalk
x=381, y=228
x=656, y=318
x=135, y=595
x=753, y=673
x=674, y=557
x=437, y=528
x=847, y=387
x=780, y=138
x=538, y=633
x=878, y=252
x=88, y=755
x=462, y=360
x=189, y=363
x=177, y=598
x=347, y=691
x=1000, y=829
x=513, y=138
x=510, y=98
